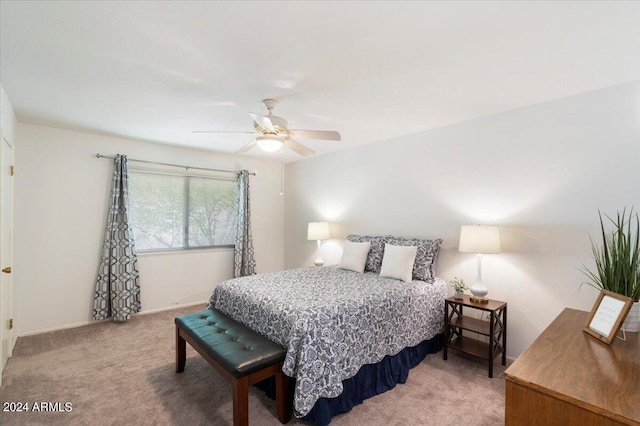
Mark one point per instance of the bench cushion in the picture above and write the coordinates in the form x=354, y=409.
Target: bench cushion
x=238, y=349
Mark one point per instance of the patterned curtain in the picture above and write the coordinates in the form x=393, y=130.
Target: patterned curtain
x=244, y=263
x=117, y=289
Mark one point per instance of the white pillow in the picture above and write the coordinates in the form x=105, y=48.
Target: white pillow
x=354, y=256
x=398, y=262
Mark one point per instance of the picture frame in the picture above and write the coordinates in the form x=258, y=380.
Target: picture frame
x=606, y=316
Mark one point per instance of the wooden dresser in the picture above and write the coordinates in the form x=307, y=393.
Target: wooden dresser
x=567, y=377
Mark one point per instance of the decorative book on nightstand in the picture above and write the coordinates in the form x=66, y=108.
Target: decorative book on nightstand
x=458, y=326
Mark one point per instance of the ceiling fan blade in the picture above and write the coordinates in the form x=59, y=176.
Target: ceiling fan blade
x=262, y=121
x=247, y=147
x=298, y=147
x=316, y=134
x=223, y=131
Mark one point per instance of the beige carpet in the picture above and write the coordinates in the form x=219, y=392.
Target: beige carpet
x=123, y=374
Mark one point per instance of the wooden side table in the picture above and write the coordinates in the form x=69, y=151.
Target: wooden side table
x=495, y=328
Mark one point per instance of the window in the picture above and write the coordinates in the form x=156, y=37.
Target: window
x=173, y=212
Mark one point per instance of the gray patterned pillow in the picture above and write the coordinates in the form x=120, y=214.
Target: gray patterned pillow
x=424, y=267
x=374, y=259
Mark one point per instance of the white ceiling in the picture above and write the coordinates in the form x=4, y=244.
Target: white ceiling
x=371, y=70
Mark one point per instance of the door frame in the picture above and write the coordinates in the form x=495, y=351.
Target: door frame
x=8, y=262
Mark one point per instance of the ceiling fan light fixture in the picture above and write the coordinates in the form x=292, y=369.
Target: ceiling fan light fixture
x=274, y=134
x=269, y=143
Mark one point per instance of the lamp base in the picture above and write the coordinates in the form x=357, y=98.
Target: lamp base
x=479, y=292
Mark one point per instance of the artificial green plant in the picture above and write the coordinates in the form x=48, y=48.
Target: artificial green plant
x=618, y=258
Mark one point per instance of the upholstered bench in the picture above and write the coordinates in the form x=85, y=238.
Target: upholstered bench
x=242, y=356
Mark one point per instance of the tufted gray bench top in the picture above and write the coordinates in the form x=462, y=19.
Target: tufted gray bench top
x=238, y=349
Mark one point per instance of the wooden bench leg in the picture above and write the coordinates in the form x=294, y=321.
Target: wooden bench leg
x=181, y=351
x=241, y=401
x=283, y=399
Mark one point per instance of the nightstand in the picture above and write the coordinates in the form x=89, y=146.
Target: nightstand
x=495, y=328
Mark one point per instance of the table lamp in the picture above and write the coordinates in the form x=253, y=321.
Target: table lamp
x=481, y=240
x=318, y=231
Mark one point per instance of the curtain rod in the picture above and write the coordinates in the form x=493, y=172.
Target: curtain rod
x=254, y=173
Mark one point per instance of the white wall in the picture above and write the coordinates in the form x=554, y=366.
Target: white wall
x=541, y=173
x=61, y=197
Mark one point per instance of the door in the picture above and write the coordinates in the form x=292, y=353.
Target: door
x=5, y=250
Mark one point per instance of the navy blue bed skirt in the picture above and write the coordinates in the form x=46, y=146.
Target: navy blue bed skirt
x=371, y=380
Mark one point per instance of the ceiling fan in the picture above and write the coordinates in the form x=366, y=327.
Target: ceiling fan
x=273, y=133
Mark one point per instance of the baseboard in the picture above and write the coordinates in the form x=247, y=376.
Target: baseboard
x=169, y=308
x=81, y=324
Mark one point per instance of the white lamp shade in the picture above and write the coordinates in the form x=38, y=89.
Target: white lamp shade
x=318, y=231
x=269, y=143
x=479, y=239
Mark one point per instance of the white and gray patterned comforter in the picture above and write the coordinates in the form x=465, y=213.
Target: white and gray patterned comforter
x=332, y=321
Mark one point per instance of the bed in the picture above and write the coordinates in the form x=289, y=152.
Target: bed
x=341, y=329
